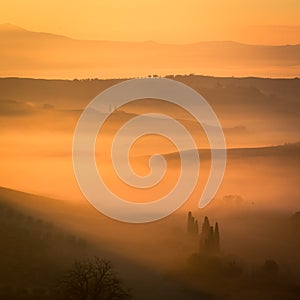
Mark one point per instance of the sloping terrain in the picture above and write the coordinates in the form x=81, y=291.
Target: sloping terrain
x=34, y=54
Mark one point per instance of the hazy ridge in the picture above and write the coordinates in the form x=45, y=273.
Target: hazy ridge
x=34, y=54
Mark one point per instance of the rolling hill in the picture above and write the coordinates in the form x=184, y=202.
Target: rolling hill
x=34, y=252
x=33, y=54
x=41, y=237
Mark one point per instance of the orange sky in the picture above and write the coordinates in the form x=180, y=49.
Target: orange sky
x=255, y=21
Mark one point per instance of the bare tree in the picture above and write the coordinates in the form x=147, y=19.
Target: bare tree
x=93, y=280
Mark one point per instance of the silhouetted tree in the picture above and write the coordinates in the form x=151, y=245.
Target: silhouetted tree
x=196, y=227
x=192, y=224
x=93, y=280
x=210, y=237
x=189, y=222
x=217, y=238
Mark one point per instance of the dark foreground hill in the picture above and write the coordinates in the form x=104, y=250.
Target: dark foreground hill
x=33, y=254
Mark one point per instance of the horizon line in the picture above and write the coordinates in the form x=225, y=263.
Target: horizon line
x=169, y=76
x=147, y=41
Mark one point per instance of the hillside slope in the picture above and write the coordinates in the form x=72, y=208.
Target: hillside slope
x=26, y=53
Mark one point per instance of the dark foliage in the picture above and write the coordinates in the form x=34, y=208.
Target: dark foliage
x=93, y=280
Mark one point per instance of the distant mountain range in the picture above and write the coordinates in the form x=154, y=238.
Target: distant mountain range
x=25, y=53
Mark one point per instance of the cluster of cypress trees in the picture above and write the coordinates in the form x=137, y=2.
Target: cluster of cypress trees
x=209, y=236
